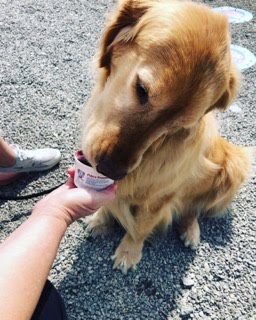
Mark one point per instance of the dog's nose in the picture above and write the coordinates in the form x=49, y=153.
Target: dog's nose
x=109, y=168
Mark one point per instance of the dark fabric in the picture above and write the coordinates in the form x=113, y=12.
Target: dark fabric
x=50, y=305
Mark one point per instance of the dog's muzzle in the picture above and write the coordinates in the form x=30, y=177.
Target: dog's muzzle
x=110, y=169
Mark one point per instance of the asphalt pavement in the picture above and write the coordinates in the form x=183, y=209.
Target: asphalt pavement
x=46, y=62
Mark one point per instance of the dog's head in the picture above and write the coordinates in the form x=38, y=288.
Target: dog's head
x=163, y=65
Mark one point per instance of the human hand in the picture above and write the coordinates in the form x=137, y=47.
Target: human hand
x=71, y=203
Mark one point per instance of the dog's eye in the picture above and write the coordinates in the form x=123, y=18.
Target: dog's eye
x=141, y=91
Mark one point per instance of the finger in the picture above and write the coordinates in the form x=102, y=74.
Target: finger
x=98, y=198
x=69, y=184
x=71, y=171
x=111, y=187
x=90, y=198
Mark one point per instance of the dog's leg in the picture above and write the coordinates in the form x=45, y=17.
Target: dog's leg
x=189, y=230
x=100, y=223
x=129, y=251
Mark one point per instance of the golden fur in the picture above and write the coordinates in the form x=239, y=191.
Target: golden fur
x=164, y=66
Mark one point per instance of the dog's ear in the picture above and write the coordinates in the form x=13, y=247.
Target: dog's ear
x=128, y=14
x=231, y=91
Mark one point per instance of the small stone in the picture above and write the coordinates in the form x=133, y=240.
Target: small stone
x=186, y=310
x=188, y=282
x=235, y=107
x=206, y=267
x=150, y=291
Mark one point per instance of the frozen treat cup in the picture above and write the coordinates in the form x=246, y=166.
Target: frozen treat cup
x=86, y=176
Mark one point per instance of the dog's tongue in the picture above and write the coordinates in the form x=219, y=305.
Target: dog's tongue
x=80, y=157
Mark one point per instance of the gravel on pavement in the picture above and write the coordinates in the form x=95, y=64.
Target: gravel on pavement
x=47, y=50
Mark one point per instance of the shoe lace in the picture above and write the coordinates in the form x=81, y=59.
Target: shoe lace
x=20, y=154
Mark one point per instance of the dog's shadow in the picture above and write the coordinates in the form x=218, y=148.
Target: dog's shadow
x=93, y=290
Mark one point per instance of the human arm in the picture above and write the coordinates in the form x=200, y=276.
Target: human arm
x=27, y=255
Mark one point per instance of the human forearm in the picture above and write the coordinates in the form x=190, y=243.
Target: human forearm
x=27, y=255
x=26, y=258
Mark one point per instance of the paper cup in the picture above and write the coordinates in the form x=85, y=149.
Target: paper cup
x=87, y=177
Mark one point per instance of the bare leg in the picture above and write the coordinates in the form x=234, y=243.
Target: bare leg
x=7, y=159
x=7, y=155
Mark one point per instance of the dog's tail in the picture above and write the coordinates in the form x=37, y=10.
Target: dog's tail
x=249, y=159
x=235, y=169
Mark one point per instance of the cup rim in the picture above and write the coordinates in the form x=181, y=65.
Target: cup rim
x=79, y=156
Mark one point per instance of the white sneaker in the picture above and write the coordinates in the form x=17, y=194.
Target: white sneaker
x=33, y=160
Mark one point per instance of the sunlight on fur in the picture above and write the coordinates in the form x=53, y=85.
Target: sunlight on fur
x=164, y=67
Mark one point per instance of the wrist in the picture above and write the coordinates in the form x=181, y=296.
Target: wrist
x=53, y=215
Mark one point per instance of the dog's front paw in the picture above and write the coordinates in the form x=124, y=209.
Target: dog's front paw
x=127, y=254
x=97, y=225
x=191, y=236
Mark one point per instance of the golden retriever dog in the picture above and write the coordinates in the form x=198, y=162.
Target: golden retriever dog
x=164, y=66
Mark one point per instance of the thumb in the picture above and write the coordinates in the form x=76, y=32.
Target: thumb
x=71, y=171
x=95, y=199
